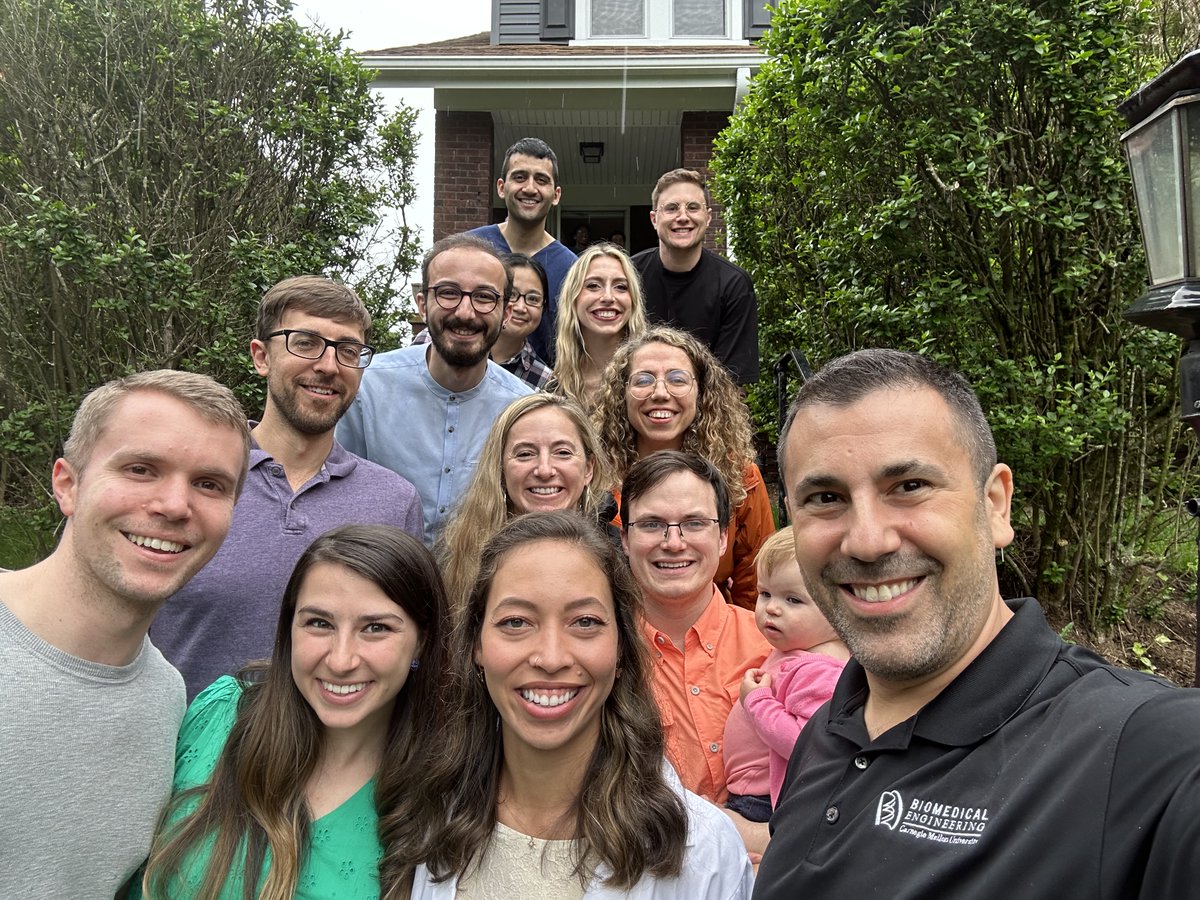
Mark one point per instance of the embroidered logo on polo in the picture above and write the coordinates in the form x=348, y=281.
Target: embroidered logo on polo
x=930, y=820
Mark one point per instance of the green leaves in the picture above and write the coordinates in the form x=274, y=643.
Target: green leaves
x=946, y=177
x=163, y=164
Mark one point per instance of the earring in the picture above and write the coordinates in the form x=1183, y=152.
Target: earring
x=479, y=673
x=414, y=665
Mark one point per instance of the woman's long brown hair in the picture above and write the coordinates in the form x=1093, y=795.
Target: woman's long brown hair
x=255, y=802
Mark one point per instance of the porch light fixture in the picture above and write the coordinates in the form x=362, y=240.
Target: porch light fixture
x=591, y=151
x=1162, y=147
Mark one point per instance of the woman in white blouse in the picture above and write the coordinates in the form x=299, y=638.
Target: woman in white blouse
x=550, y=780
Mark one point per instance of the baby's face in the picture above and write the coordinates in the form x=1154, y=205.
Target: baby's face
x=786, y=614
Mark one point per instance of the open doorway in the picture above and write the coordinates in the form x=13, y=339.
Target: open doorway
x=581, y=228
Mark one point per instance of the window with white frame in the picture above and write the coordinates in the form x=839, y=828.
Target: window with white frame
x=618, y=18
x=657, y=19
x=699, y=18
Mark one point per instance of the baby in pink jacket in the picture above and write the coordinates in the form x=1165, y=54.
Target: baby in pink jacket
x=778, y=699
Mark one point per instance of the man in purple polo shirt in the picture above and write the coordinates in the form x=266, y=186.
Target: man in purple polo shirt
x=311, y=347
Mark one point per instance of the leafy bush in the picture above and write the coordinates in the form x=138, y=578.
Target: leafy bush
x=161, y=165
x=947, y=178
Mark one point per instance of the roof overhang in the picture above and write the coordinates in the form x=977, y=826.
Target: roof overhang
x=632, y=102
x=558, y=72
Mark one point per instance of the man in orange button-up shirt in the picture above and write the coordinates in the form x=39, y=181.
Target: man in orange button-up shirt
x=676, y=512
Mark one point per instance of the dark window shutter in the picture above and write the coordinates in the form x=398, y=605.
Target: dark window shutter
x=558, y=20
x=757, y=17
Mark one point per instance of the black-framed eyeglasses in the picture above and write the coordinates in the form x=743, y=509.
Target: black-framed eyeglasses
x=677, y=382
x=692, y=209
x=533, y=299
x=693, y=527
x=306, y=345
x=449, y=296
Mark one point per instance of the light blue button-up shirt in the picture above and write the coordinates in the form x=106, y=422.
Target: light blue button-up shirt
x=405, y=420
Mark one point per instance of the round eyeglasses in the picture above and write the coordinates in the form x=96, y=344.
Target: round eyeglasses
x=673, y=209
x=306, y=345
x=449, y=296
x=677, y=382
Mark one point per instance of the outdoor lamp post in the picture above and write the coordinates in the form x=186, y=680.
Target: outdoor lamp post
x=1162, y=146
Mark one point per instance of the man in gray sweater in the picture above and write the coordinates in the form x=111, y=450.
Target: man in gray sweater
x=90, y=709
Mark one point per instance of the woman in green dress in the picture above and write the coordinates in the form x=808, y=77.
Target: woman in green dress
x=280, y=773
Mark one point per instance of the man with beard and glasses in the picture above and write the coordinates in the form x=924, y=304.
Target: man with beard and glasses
x=967, y=750
x=311, y=347
x=425, y=410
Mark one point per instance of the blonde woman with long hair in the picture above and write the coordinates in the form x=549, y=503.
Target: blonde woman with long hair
x=600, y=305
x=541, y=455
x=664, y=390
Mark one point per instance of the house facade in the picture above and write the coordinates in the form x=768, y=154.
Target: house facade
x=623, y=90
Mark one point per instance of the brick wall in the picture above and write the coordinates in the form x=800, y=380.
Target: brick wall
x=463, y=182
x=697, y=130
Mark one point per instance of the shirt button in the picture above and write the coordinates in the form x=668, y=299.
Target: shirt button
x=661, y=639
x=453, y=398
x=451, y=429
x=714, y=747
x=695, y=691
x=441, y=509
x=277, y=471
x=831, y=815
x=709, y=646
x=447, y=469
x=861, y=762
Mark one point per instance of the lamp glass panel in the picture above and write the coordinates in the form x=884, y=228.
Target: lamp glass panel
x=1155, y=165
x=1191, y=119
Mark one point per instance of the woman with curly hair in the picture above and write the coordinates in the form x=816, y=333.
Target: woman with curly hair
x=541, y=455
x=664, y=390
x=283, y=773
x=599, y=306
x=551, y=781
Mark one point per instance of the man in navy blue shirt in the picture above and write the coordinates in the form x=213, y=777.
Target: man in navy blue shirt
x=528, y=185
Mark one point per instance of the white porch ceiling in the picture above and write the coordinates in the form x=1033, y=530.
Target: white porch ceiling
x=638, y=146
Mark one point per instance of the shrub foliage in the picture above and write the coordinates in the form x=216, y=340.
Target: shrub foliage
x=946, y=177
x=161, y=165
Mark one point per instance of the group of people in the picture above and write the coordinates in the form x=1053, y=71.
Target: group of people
x=506, y=614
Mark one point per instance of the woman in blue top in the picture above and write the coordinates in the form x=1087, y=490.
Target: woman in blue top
x=280, y=773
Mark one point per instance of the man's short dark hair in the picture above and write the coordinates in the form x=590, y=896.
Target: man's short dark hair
x=315, y=295
x=530, y=146
x=848, y=379
x=649, y=472
x=466, y=241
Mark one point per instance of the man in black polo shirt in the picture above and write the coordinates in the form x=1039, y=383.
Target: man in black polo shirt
x=967, y=751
